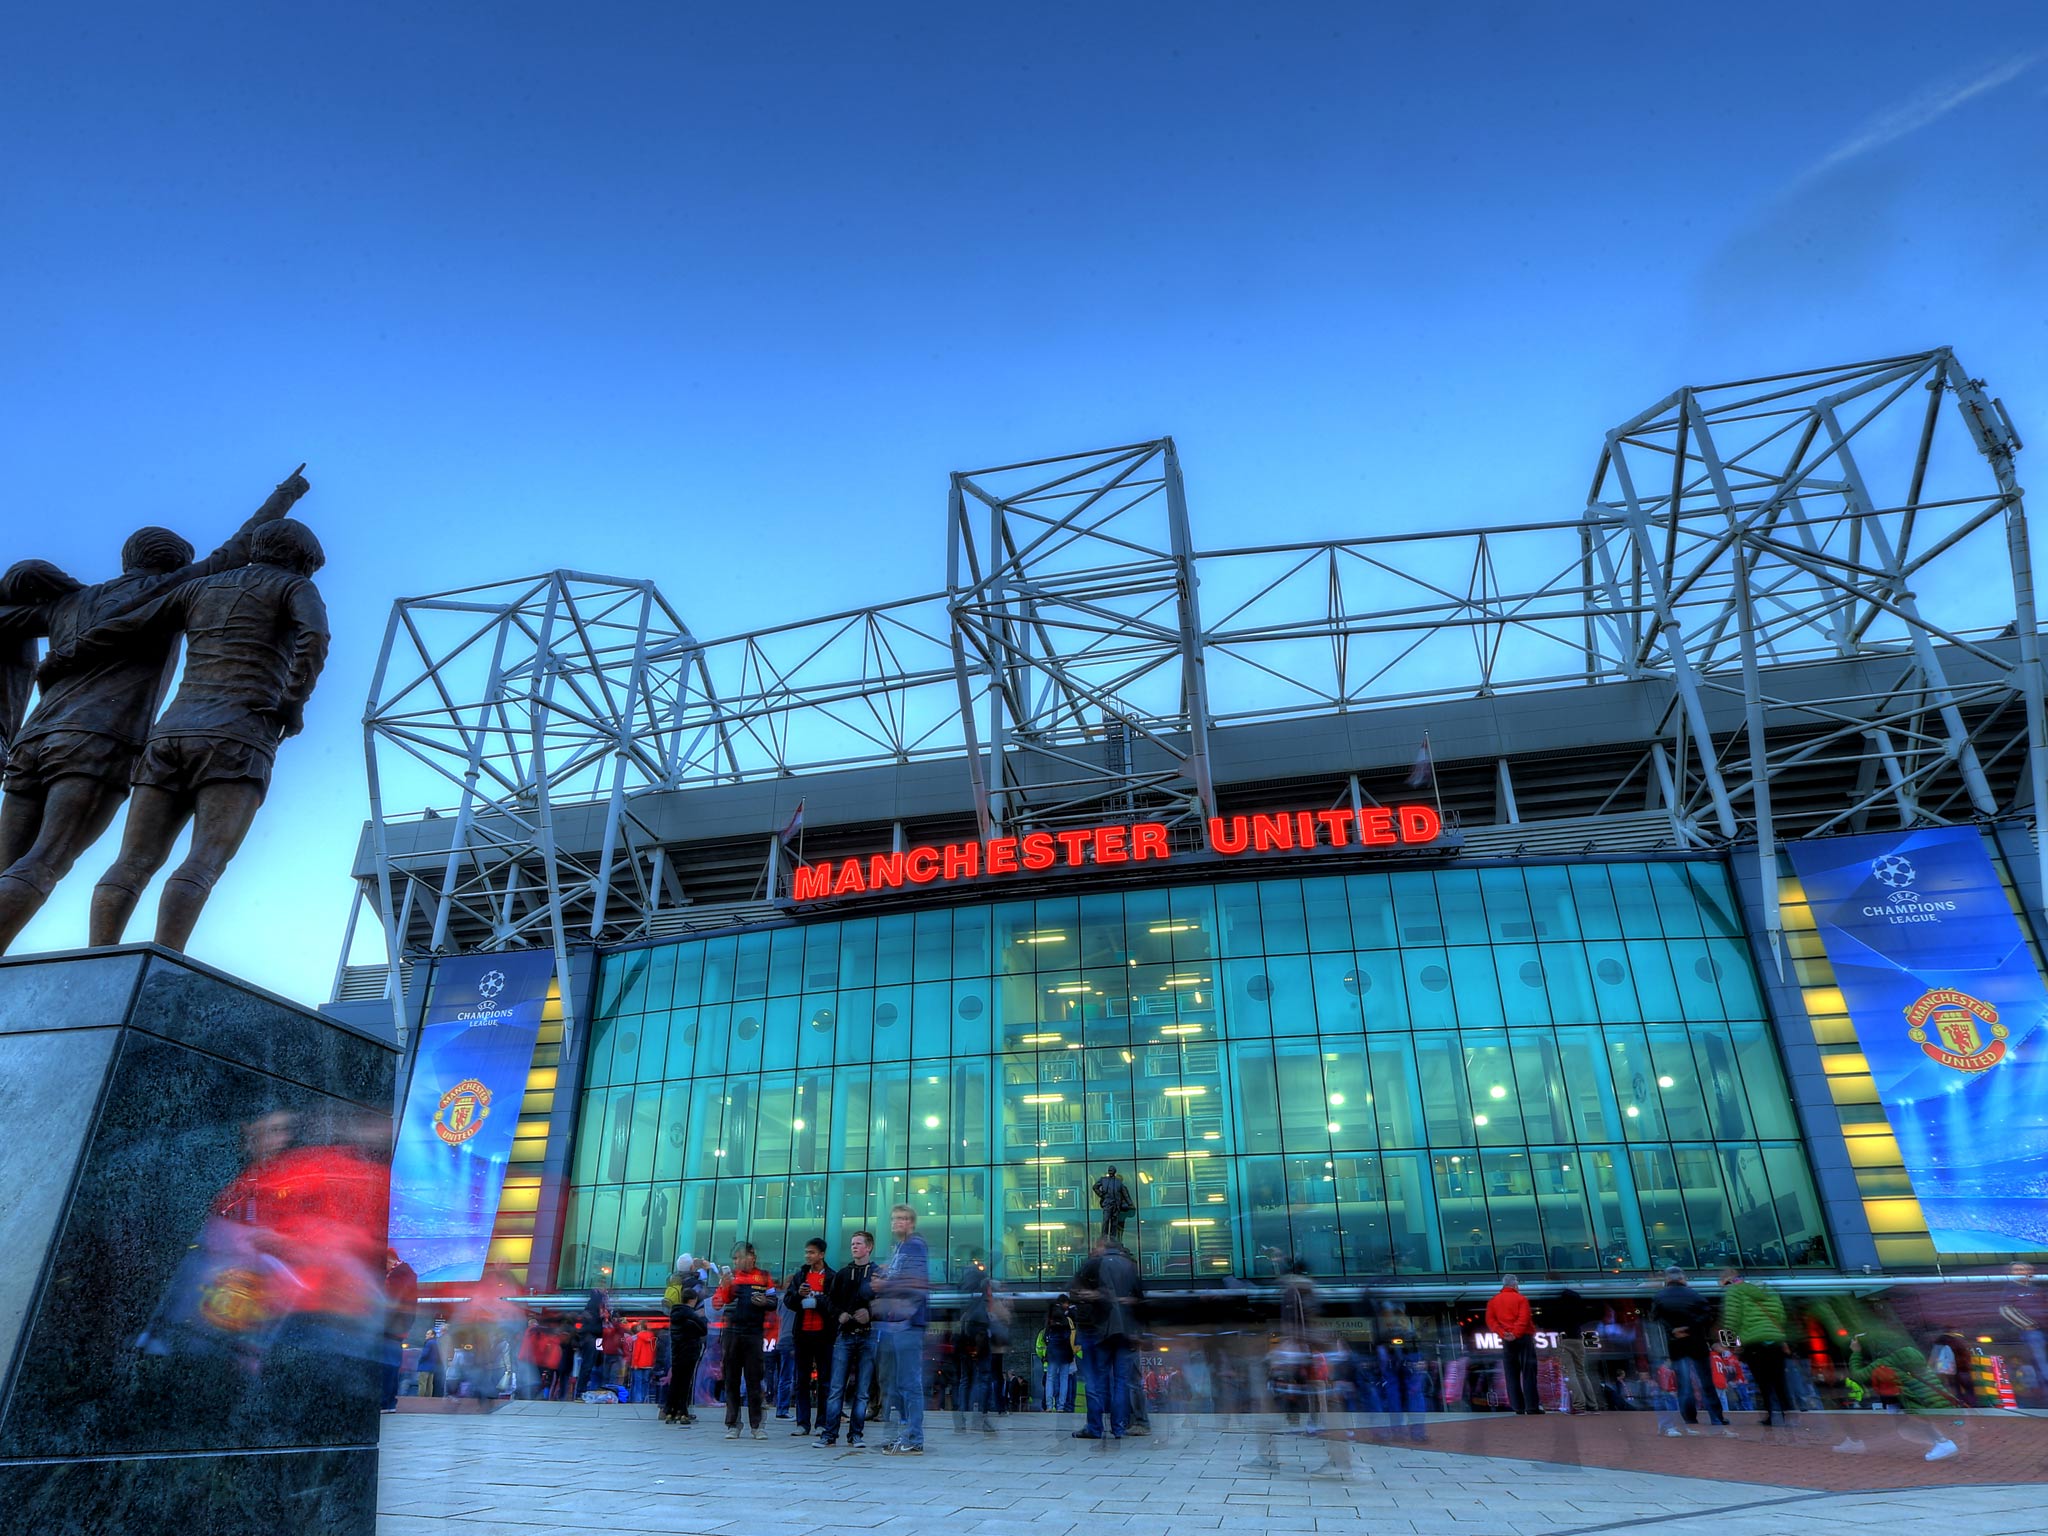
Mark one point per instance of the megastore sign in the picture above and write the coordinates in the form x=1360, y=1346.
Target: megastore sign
x=1141, y=842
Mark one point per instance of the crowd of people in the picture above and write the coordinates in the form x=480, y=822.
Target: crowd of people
x=834, y=1348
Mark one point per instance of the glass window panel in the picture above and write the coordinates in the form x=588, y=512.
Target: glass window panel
x=600, y=1150
x=1329, y=919
x=968, y=1113
x=1347, y=1085
x=1268, y=1242
x=1396, y=1091
x=1796, y=1208
x=1656, y=992
x=1491, y=1073
x=777, y=1101
x=931, y=1018
x=1293, y=996
x=1569, y=1238
x=1737, y=978
x=1427, y=973
x=654, y=1048
x=1678, y=1094
x=1697, y=974
x=1614, y=990
x=626, y=1048
x=1524, y=985
x=719, y=958
x=1635, y=1084
x=1617, y=1217
x=1312, y=1212
x=1109, y=1114
x=785, y=961
x=1371, y=902
x=889, y=1138
x=599, y=1052
x=1658, y=1193
x=1382, y=995
x=1257, y=1097
x=1461, y=1209
x=821, y=957
x=1595, y=1112
x=1677, y=912
x=1634, y=900
x=1237, y=913
x=1748, y=1188
x=853, y=1025
x=1147, y=931
x=1016, y=923
x=1720, y=916
x=1474, y=987
x=1365, y=1240
x=1285, y=927
x=1304, y=1114
x=1539, y=1085
x=1247, y=998
x=1508, y=918
x=778, y=1033
x=750, y=971
x=1102, y=931
x=932, y=944
x=704, y=1150
x=1464, y=913
x=1447, y=1114
x=973, y=1017
x=576, y=1268
x=1553, y=906
x=633, y=969
x=1706, y=1207
x=1411, y=1213
x=680, y=1054
x=1160, y=1100
x=673, y=1120
x=742, y=1106
x=893, y=936
x=853, y=1118
x=654, y=1216
x=1720, y=1082
x=891, y=1023
x=1192, y=912
x=817, y=1019
x=611, y=984
x=714, y=1035
x=601, y=1239
x=744, y=1042
x=810, y=1129
x=1055, y=941
x=1593, y=900
x=661, y=981
x=970, y=941
x=1763, y=1080
x=857, y=953
x=689, y=975
x=1511, y=1208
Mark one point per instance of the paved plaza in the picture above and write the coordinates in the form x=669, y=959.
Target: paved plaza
x=536, y=1467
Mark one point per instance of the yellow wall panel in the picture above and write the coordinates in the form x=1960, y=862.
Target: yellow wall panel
x=1897, y=1217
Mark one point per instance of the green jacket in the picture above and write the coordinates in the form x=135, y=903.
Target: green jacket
x=1754, y=1315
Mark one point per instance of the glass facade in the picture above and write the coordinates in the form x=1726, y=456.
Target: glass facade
x=1426, y=1072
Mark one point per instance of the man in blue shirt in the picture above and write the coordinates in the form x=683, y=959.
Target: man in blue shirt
x=902, y=1289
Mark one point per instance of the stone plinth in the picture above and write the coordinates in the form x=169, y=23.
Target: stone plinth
x=137, y=1391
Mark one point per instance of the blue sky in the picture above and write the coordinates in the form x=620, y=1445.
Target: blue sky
x=719, y=296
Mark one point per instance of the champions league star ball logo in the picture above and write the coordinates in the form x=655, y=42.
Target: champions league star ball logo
x=1894, y=871
x=493, y=982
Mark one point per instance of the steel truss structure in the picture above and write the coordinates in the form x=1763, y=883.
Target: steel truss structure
x=1825, y=576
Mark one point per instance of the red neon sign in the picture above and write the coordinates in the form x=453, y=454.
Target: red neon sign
x=1134, y=843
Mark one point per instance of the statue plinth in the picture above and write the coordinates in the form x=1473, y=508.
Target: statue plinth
x=170, y=1350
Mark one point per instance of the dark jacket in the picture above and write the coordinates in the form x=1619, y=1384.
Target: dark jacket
x=746, y=1312
x=793, y=1298
x=852, y=1288
x=1107, y=1290
x=401, y=1299
x=1687, y=1317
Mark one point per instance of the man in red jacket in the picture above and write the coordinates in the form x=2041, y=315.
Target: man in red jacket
x=1509, y=1316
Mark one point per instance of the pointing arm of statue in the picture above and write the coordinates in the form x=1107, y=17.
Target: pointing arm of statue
x=236, y=550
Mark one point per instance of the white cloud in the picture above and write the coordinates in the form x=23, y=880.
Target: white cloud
x=1917, y=111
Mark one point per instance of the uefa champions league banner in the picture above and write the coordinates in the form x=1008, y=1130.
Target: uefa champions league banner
x=455, y=1136
x=1953, y=1018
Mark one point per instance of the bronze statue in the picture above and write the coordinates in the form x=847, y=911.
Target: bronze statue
x=255, y=641
x=69, y=764
x=1114, y=1196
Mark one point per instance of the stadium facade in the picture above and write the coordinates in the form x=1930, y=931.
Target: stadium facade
x=1418, y=904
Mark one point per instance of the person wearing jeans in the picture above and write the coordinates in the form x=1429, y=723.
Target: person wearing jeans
x=903, y=1310
x=850, y=1296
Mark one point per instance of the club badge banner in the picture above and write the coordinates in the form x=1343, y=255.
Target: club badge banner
x=1953, y=1018
x=455, y=1136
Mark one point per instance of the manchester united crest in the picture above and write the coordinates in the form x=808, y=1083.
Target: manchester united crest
x=462, y=1111
x=1957, y=1030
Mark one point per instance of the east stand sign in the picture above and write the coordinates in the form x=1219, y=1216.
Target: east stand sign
x=1141, y=842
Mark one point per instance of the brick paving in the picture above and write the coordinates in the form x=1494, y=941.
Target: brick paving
x=532, y=1468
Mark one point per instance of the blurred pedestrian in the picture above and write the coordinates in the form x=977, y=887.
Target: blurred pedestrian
x=401, y=1306
x=902, y=1308
x=1576, y=1319
x=1687, y=1318
x=643, y=1364
x=687, y=1326
x=748, y=1297
x=1755, y=1314
x=1508, y=1316
x=1056, y=1349
x=1106, y=1289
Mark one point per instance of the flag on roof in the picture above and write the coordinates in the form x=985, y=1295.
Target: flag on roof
x=1424, y=771
x=794, y=825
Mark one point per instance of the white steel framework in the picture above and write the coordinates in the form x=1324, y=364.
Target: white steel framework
x=1826, y=573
